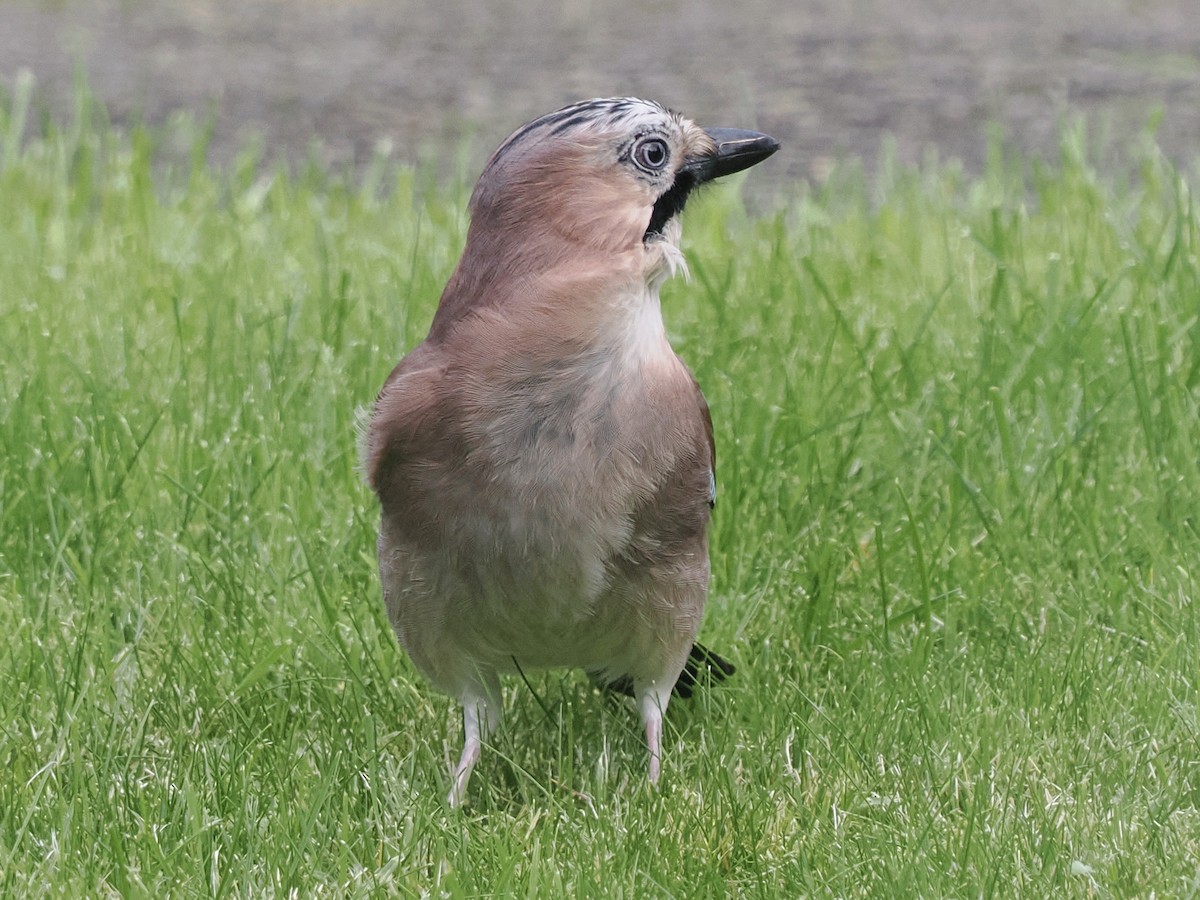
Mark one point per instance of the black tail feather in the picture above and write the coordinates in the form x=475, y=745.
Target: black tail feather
x=702, y=668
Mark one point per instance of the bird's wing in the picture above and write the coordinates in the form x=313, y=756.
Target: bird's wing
x=404, y=407
x=712, y=448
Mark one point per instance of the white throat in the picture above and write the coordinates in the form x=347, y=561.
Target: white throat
x=666, y=260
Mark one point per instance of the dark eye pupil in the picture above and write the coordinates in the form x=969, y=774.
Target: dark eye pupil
x=652, y=154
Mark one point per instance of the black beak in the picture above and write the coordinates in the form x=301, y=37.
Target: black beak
x=736, y=150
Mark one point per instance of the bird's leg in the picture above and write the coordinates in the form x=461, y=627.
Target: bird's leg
x=472, y=745
x=652, y=701
x=481, y=717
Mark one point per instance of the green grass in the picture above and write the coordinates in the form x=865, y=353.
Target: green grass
x=955, y=553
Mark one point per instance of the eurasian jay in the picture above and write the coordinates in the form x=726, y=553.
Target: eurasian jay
x=544, y=460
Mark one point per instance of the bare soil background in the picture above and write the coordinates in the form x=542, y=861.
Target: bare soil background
x=830, y=79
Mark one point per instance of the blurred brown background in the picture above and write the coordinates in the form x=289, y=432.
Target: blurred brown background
x=828, y=78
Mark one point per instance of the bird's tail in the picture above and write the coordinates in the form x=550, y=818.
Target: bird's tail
x=703, y=667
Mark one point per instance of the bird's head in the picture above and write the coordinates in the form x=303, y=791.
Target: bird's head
x=584, y=203
x=610, y=175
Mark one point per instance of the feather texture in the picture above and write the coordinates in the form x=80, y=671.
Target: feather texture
x=543, y=460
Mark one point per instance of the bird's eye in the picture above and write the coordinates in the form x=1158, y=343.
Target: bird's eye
x=651, y=154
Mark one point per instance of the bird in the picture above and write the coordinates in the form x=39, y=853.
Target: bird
x=543, y=460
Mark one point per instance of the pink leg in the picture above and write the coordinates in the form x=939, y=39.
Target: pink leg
x=481, y=716
x=653, y=703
